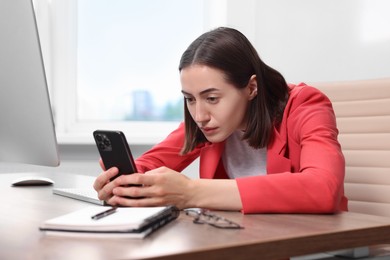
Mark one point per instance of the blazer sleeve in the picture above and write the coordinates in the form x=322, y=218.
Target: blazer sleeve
x=315, y=182
x=167, y=153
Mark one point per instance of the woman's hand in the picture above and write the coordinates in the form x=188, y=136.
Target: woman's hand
x=102, y=184
x=158, y=187
x=164, y=186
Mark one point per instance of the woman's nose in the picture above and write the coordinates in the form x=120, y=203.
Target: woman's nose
x=201, y=114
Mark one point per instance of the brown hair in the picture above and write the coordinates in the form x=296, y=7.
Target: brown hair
x=229, y=51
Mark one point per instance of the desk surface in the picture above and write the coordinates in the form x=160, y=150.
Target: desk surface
x=266, y=236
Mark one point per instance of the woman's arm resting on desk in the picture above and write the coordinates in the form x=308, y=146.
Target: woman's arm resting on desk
x=163, y=186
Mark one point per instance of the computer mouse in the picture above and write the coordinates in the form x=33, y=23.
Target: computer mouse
x=32, y=181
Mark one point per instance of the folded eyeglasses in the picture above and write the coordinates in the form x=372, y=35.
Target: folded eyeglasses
x=202, y=216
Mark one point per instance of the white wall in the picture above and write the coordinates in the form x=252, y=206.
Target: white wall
x=318, y=40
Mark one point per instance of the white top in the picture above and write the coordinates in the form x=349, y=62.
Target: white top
x=240, y=159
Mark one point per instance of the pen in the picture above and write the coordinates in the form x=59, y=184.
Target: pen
x=104, y=213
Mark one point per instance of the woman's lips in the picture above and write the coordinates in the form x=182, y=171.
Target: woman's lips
x=209, y=130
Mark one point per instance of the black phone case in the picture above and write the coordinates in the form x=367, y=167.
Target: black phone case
x=114, y=151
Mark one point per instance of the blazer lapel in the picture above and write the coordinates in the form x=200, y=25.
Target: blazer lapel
x=210, y=156
x=276, y=160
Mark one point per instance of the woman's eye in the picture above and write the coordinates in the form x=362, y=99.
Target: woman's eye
x=189, y=99
x=212, y=100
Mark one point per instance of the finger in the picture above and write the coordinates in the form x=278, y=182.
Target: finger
x=141, y=202
x=105, y=194
x=104, y=178
x=140, y=191
x=158, y=170
x=132, y=191
x=111, y=201
x=102, y=164
x=107, y=191
x=135, y=179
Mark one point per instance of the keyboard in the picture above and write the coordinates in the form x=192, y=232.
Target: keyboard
x=84, y=194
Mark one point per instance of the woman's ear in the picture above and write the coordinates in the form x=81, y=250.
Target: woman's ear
x=252, y=87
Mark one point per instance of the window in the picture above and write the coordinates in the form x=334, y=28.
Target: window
x=127, y=58
x=112, y=64
x=115, y=65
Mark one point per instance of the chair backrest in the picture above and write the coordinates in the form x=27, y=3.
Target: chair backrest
x=363, y=117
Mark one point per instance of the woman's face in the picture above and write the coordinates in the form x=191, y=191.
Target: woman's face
x=217, y=107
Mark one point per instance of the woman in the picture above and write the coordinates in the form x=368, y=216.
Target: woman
x=264, y=146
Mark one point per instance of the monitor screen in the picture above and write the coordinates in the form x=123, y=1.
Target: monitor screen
x=27, y=132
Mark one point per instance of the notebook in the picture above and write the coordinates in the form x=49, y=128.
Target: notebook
x=84, y=194
x=123, y=222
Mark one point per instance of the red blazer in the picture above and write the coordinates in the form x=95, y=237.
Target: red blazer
x=305, y=164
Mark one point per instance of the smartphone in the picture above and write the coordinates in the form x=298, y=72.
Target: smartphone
x=114, y=151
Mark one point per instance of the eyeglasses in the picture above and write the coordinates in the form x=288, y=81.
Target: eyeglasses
x=202, y=216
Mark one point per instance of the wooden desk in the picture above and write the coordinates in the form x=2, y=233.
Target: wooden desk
x=266, y=236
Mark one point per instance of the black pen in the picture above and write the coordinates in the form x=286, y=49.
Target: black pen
x=104, y=213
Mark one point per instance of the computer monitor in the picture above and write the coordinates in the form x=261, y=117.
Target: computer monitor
x=27, y=132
